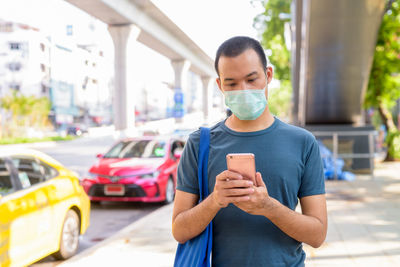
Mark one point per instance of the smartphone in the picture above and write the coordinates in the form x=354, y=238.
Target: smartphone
x=243, y=163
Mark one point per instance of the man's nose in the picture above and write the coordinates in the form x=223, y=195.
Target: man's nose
x=242, y=85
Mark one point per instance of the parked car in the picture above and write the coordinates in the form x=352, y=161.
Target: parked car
x=43, y=208
x=77, y=129
x=136, y=169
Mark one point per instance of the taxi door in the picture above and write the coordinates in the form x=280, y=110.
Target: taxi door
x=8, y=186
x=30, y=214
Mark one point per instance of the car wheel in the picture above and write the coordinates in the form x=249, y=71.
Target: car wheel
x=69, y=241
x=169, y=191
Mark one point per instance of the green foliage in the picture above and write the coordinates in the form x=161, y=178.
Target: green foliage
x=279, y=100
x=393, y=143
x=25, y=111
x=23, y=140
x=384, y=81
x=271, y=26
x=376, y=120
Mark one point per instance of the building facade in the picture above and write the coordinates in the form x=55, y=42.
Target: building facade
x=24, y=60
x=73, y=76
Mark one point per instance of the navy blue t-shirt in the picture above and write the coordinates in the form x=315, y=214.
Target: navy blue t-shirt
x=289, y=161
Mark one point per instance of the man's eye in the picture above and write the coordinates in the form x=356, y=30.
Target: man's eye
x=231, y=85
x=251, y=80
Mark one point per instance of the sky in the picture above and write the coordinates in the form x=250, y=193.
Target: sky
x=210, y=22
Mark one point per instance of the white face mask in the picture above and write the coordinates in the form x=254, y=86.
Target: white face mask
x=246, y=104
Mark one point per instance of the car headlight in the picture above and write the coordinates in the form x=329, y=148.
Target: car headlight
x=152, y=175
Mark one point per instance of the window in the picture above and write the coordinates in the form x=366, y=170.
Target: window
x=48, y=171
x=6, y=27
x=30, y=172
x=15, y=46
x=14, y=86
x=6, y=185
x=14, y=66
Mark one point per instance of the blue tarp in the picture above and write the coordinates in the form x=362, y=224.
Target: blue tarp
x=329, y=165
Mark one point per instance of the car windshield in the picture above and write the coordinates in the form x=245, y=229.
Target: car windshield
x=6, y=186
x=137, y=149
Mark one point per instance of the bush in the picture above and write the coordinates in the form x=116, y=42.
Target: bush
x=23, y=112
x=22, y=140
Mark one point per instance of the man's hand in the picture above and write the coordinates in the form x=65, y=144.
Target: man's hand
x=231, y=188
x=259, y=202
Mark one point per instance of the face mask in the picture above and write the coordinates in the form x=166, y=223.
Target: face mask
x=246, y=104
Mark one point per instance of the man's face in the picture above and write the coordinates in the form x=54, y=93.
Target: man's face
x=244, y=71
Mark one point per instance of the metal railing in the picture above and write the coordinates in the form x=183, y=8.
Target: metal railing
x=335, y=143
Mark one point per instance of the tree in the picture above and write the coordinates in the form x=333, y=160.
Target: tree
x=26, y=111
x=271, y=25
x=384, y=82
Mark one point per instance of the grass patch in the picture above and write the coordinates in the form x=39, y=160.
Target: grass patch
x=23, y=140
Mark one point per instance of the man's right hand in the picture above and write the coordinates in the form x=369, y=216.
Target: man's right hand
x=230, y=187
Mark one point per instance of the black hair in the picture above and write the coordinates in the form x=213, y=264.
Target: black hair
x=237, y=45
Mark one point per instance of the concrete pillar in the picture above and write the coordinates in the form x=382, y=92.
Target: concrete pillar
x=181, y=68
x=207, y=96
x=123, y=102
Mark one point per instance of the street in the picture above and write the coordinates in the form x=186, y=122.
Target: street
x=106, y=218
x=311, y=89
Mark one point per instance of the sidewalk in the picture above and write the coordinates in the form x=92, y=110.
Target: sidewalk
x=363, y=229
x=363, y=216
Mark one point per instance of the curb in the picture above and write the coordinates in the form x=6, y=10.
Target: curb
x=147, y=242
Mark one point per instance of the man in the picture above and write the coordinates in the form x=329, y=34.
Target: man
x=253, y=224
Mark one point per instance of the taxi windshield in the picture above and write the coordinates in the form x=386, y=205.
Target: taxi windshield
x=137, y=149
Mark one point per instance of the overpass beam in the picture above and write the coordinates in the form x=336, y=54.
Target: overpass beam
x=207, y=96
x=123, y=102
x=181, y=68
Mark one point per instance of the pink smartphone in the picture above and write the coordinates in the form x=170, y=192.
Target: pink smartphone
x=243, y=163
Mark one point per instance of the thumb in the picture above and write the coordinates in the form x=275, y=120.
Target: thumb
x=259, y=180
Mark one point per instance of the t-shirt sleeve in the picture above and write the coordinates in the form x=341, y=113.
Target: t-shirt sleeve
x=313, y=180
x=187, y=180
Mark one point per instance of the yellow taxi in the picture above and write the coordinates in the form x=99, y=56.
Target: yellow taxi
x=43, y=208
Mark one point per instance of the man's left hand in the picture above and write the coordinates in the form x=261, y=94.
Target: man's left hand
x=260, y=203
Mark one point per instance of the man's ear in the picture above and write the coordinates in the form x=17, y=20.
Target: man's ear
x=218, y=80
x=269, y=71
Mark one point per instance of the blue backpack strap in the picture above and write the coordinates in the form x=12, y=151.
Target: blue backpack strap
x=196, y=252
x=202, y=165
x=204, y=148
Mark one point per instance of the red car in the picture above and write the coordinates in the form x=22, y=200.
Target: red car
x=136, y=169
